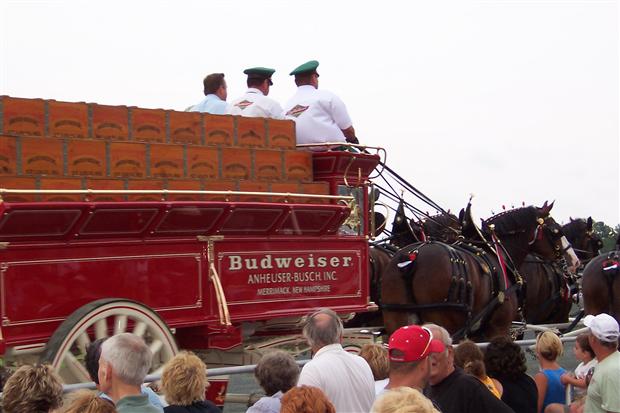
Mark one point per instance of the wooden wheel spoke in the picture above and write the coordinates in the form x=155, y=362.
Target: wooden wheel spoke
x=83, y=341
x=101, y=328
x=156, y=346
x=76, y=368
x=139, y=329
x=120, y=324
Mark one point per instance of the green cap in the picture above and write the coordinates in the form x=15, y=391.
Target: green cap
x=305, y=68
x=259, y=72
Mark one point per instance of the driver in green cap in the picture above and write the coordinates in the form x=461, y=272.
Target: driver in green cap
x=255, y=103
x=319, y=115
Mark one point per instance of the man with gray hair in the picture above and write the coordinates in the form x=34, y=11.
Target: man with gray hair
x=346, y=379
x=603, y=395
x=451, y=389
x=124, y=362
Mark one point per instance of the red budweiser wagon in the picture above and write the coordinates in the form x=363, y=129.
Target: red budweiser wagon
x=195, y=231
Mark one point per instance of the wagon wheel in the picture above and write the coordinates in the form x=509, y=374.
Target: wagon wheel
x=66, y=349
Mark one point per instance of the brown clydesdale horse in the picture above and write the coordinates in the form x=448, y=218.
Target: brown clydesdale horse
x=600, y=284
x=460, y=286
x=549, y=282
x=443, y=227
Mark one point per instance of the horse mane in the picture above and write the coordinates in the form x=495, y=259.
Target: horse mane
x=512, y=220
x=443, y=219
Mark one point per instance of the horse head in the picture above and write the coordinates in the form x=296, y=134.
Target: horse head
x=585, y=241
x=549, y=241
x=532, y=229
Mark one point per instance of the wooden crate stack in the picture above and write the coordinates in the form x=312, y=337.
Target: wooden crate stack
x=46, y=144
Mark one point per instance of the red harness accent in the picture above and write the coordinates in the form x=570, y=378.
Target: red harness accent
x=500, y=258
x=609, y=265
x=412, y=257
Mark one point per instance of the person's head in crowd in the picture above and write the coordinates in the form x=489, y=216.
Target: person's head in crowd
x=123, y=364
x=86, y=401
x=442, y=364
x=214, y=84
x=184, y=379
x=583, y=351
x=409, y=351
x=403, y=400
x=377, y=358
x=306, y=399
x=93, y=352
x=32, y=389
x=504, y=358
x=604, y=332
x=548, y=346
x=470, y=358
x=322, y=328
x=276, y=372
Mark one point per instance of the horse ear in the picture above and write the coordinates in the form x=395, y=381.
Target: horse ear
x=589, y=223
x=461, y=215
x=546, y=208
x=571, y=219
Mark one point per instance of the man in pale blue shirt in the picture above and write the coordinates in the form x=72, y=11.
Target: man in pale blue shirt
x=216, y=94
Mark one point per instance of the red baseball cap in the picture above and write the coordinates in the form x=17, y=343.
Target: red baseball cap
x=414, y=343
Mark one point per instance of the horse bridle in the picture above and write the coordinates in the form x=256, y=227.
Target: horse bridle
x=554, y=235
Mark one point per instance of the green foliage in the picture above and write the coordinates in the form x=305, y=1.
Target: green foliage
x=608, y=234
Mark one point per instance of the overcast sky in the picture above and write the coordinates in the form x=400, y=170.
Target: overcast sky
x=514, y=101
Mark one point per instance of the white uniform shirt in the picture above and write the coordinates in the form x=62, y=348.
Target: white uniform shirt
x=346, y=379
x=255, y=104
x=319, y=115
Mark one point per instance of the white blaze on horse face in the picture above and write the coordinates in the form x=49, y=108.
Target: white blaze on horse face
x=569, y=253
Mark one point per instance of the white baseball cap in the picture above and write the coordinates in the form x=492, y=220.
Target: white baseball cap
x=603, y=326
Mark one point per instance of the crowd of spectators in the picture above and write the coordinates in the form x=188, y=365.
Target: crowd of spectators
x=419, y=371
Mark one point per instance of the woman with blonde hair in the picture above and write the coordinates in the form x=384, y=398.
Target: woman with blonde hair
x=378, y=359
x=85, y=401
x=306, y=399
x=403, y=400
x=550, y=388
x=183, y=382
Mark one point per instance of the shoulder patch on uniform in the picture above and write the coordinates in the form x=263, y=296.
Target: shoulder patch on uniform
x=297, y=110
x=243, y=104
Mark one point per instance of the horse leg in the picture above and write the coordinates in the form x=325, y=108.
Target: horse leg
x=501, y=319
x=394, y=290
